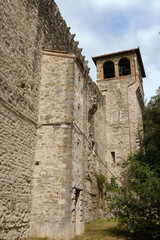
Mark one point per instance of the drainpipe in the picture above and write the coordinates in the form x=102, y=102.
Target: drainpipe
x=130, y=141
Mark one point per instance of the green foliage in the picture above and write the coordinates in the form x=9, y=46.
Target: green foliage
x=112, y=185
x=103, y=204
x=136, y=205
x=104, y=187
x=151, y=121
x=101, y=184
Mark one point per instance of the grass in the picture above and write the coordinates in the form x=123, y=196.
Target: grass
x=35, y=239
x=102, y=229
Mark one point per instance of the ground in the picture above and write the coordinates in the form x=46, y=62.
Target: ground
x=103, y=229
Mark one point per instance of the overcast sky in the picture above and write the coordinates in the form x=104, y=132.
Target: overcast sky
x=106, y=26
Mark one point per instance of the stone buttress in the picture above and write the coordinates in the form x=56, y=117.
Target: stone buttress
x=57, y=194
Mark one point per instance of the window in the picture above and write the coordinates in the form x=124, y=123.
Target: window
x=78, y=212
x=124, y=67
x=113, y=156
x=108, y=69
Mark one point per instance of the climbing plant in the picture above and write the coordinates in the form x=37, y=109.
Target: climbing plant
x=101, y=180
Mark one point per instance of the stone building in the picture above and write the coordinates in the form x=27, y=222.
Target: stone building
x=58, y=129
x=120, y=79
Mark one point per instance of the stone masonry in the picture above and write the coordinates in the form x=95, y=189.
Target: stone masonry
x=58, y=129
x=124, y=102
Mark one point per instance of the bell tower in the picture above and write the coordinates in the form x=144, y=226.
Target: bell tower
x=120, y=79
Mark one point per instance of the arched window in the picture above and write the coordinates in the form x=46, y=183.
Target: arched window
x=124, y=67
x=108, y=69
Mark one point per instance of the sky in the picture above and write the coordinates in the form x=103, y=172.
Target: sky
x=106, y=26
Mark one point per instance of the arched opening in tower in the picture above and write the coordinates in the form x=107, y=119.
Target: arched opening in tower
x=109, y=69
x=124, y=67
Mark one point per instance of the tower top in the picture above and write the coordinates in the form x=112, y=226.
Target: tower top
x=134, y=50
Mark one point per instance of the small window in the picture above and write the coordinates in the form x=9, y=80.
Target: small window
x=79, y=77
x=113, y=156
x=108, y=69
x=124, y=67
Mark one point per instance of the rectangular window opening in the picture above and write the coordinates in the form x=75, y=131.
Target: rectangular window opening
x=113, y=156
x=77, y=212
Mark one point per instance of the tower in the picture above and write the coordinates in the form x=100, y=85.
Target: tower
x=120, y=79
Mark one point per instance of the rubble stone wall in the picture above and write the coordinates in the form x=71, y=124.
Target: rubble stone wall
x=95, y=150
x=19, y=84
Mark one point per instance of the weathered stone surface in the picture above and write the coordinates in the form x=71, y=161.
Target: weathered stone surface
x=17, y=147
x=19, y=84
x=124, y=127
x=52, y=178
x=57, y=128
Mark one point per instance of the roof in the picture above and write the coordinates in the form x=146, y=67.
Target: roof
x=136, y=50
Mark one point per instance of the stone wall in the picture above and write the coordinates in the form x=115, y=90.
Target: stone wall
x=19, y=84
x=78, y=150
x=27, y=27
x=52, y=180
x=70, y=149
x=95, y=150
x=55, y=124
x=56, y=34
x=19, y=57
x=16, y=164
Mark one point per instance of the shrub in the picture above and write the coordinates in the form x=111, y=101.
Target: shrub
x=112, y=185
x=136, y=205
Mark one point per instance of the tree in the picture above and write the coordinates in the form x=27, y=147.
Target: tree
x=151, y=120
x=136, y=205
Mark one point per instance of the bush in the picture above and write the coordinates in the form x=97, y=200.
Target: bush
x=111, y=186
x=136, y=205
